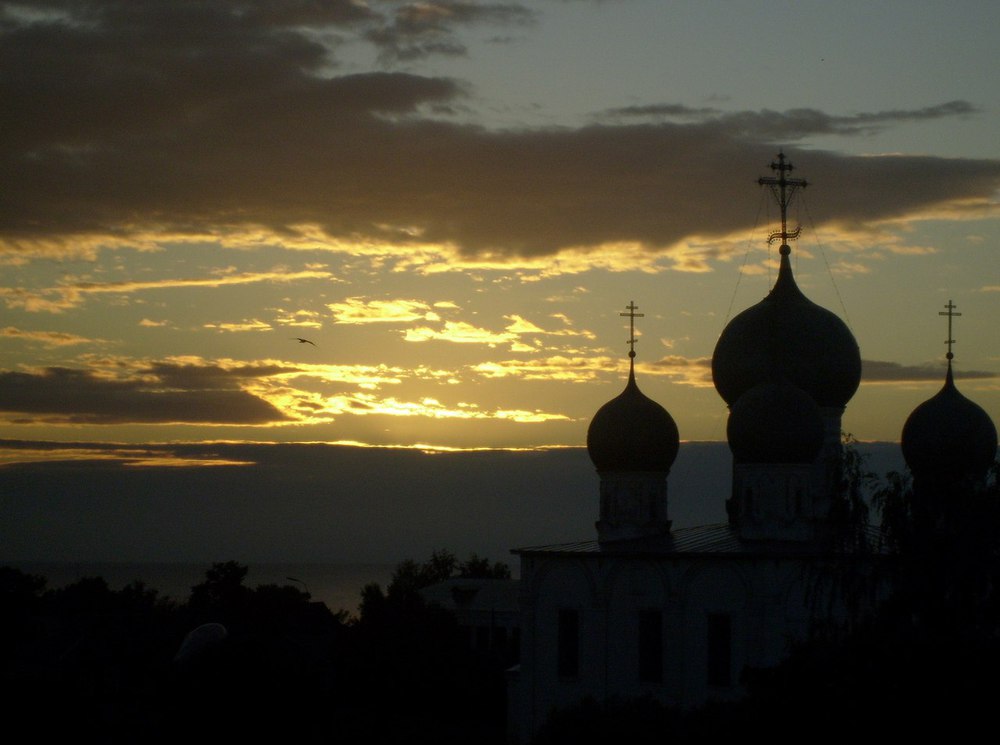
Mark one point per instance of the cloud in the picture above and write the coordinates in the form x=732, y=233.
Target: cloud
x=171, y=394
x=299, y=318
x=462, y=332
x=368, y=404
x=423, y=29
x=693, y=371
x=795, y=124
x=557, y=367
x=357, y=310
x=878, y=371
x=519, y=325
x=50, y=454
x=459, y=332
x=72, y=292
x=48, y=338
x=116, y=391
x=251, y=325
x=137, y=124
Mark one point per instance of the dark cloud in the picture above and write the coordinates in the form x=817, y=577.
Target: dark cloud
x=881, y=372
x=195, y=118
x=205, y=377
x=428, y=28
x=661, y=110
x=795, y=124
x=166, y=394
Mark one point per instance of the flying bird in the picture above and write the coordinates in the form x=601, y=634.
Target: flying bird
x=300, y=340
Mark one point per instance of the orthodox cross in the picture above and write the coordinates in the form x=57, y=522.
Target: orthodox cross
x=950, y=312
x=783, y=188
x=632, y=315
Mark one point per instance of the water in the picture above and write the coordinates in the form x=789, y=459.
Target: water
x=337, y=585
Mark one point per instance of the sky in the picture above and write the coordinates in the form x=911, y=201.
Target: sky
x=454, y=202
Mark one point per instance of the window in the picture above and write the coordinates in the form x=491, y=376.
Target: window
x=719, y=649
x=482, y=637
x=650, y=646
x=569, y=643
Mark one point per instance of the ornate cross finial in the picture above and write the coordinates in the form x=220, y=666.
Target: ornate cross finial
x=950, y=312
x=632, y=315
x=783, y=188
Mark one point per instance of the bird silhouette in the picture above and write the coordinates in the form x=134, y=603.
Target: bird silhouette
x=300, y=340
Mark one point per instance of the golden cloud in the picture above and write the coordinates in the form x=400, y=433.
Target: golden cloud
x=48, y=338
x=459, y=332
x=71, y=294
x=359, y=311
x=252, y=325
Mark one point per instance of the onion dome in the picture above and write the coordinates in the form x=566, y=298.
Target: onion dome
x=948, y=435
x=632, y=433
x=788, y=335
x=775, y=423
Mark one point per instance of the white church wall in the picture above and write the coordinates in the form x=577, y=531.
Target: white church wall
x=706, y=617
x=556, y=586
x=634, y=588
x=710, y=590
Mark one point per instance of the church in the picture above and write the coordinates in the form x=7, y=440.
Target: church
x=641, y=609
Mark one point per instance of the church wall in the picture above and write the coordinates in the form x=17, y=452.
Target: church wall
x=556, y=585
x=631, y=589
x=713, y=610
x=708, y=589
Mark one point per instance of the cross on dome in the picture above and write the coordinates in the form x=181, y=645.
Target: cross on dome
x=632, y=315
x=950, y=312
x=783, y=188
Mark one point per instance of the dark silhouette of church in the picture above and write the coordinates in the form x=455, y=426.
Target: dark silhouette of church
x=677, y=614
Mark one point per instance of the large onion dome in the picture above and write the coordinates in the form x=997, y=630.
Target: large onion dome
x=787, y=335
x=632, y=433
x=949, y=436
x=775, y=423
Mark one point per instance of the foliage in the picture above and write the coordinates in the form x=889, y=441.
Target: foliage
x=479, y=567
x=934, y=643
x=286, y=668
x=947, y=540
x=850, y=511
x=416, y=662
x=409, y=577
x=637, y=721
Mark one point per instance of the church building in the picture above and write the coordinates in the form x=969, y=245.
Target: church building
x=642, y=609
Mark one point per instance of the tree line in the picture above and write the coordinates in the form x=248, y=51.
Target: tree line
x=232, y=662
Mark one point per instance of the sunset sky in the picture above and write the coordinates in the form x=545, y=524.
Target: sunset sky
x=455, y=202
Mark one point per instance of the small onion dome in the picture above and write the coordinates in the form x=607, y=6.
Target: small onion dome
x=775, y=423
x=949, y=435
x=788, y=335
x=632, y=433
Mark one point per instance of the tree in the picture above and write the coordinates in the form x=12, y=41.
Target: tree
x=410, y=577
x=479, y=567
x=222, y=596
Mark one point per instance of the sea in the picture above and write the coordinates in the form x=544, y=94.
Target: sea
x=337, y=585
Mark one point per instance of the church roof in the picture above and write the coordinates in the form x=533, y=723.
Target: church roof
x=786, y=335
x=632, y=432
x=948, y=435
x=720, y=540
